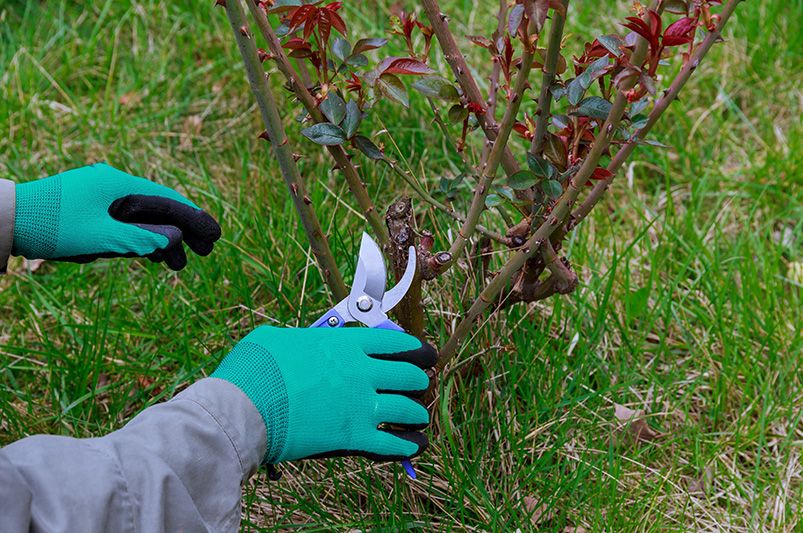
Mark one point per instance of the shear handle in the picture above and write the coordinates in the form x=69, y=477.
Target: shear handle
x=331, y=319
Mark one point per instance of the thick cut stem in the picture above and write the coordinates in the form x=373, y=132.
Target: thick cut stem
x=550, y=68
x=400, y=221
x=494, y=158
x=464, y=77
x=660, y=106
x=311, y=105
x=275, y=131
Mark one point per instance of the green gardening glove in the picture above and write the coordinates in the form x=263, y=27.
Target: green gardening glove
x=332, y=392
x=98, y=211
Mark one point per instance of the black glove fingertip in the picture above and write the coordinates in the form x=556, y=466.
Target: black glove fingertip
x=175, y=257
x=424, y=357
x=200, y=229
x=172, y=253
x=416, y=437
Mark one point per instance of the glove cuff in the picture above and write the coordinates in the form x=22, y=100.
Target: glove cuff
x=253, y=369
x=38, y=204
x=7, y=215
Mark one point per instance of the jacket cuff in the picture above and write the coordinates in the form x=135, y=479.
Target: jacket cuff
x=8, y=205
x=236, y=415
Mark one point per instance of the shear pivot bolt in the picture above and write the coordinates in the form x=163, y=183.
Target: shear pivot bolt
x=333, y=321
x=364, y=304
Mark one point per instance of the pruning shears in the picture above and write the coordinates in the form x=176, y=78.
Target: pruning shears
x=368, y=302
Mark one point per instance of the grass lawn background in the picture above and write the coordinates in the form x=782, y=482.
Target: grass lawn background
x=689, y=306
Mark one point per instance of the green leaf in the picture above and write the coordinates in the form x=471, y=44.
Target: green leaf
x=612, y=43
x=639, y=121
x=450, y=187
x=638, y=106
x=594, y=107
x=653, y=142
x=341, y=48
x=506, y=192
x=558, y=91
x=492, y=200
x=357, y=60
x=457, y=113
x=552, y=188
x=353, y=119
x=333, y=108
x=597, y=69
x=578, y=86
x=366, y=146
x=363, y=45
x=436, y=87
x=575, y=89
x=282, y=30
x=325, y=133
x=523, y=179
x=560, y=121
x=392, y=87
x=540, y=167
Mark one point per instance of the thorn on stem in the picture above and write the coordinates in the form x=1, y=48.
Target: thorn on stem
x=244, y=32
x=220, y=3
x=307, y=200
x=264, y=135
x=263, y=55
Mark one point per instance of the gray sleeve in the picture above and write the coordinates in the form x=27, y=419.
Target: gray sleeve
x=8, y=199
x=177, y=466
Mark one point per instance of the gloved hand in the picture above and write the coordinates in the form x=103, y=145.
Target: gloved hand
x=325, y=392
x=98, y=211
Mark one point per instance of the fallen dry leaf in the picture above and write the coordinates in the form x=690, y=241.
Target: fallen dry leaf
x=536, y=511
x=129, y=99
x=32, y=265
x=192, y=128
x=635, y=423
x=701, y=484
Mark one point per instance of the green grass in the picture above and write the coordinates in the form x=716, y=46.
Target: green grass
x=688, y=306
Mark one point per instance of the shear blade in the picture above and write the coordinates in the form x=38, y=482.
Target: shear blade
x=394, y=295
x=369, y=277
